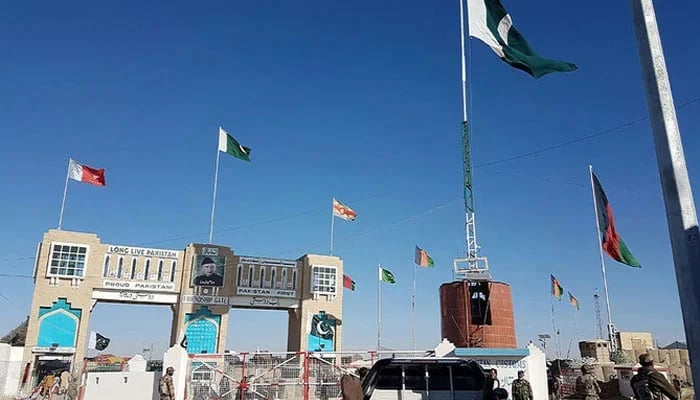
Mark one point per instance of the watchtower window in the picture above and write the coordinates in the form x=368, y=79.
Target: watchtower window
x=479, y=303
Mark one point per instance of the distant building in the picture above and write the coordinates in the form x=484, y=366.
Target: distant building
x=597, y=348
x=676, y=346
x=639, y=341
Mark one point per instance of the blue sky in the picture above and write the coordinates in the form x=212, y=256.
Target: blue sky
x=355, y=100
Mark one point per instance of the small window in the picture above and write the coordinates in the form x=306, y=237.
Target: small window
x=160, y=271
x=67, y=261
x=105, y=269
x=439, y=377
x=147, y=270
x=173, y=268
x=239, y=276
x=389, y=378
x=273, y=277
x=414, y=377
x=324, y=280
x=120, y=267
x=250, y=276
x=294, y=281
x=284, y=279
x=262, y=277
x=133, y=268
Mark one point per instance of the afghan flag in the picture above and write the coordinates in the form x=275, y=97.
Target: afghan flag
x=229, y=145
x=574, y=301
x=612, y=243
x=83, y=173
x=491, y=23
x=386, y=276
x=423, y=259
x=348, y=283
x=557, y=290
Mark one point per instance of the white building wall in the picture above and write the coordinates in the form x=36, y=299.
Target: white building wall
x=508, y=362
x=10, y=369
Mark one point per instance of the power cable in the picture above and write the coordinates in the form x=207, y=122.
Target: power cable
x=576, y=140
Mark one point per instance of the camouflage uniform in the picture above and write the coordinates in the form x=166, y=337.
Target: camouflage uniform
x=521, y=390
x=586, y=385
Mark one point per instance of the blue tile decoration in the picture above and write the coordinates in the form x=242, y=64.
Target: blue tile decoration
x=202, y=330
x=58, y=324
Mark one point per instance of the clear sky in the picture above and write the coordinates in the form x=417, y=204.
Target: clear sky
x=358, y=100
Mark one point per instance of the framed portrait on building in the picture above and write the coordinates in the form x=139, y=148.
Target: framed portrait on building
x=208, y=270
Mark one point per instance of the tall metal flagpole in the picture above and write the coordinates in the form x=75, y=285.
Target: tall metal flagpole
x=611, y=327
x=216, y=183
x=379, y=309
x=413, y=310
x=332, y=225
x=65, y=191
x=678, y=196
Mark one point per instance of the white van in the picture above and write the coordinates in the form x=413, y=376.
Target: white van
x=428, y=378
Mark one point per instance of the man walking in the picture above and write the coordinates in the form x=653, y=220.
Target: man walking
x=520, y=389
x=649, y=384
x=166, y=388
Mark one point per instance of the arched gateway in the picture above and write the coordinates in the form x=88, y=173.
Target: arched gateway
x=74, y=271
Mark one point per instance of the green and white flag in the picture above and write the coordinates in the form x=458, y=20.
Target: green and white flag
x=491, y=23
x=386, y=276
x=229, y=145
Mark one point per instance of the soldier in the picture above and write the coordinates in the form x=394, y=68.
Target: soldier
x=586, y=385
x=649, y=384
x=166, y=388
x=520, y=389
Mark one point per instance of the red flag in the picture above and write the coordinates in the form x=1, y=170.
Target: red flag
x=83, y=173
x=340, y=210
x=348, y=283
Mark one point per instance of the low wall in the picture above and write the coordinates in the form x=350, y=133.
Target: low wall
x=508, y=362
x=10, y=369
x=131, y=385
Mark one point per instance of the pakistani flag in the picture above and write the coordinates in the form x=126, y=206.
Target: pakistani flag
x=386, y=276
x=229, y=145
x=490, y=23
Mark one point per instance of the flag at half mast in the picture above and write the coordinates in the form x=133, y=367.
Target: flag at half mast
x=490, y=22
x=229, y=145
x=348, y=283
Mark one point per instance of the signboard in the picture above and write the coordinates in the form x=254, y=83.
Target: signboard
x=142, y=251
x=263, y=302
x=242, y=301
x=63, y=350
x=151, y=286
x=210, y=251
x=267, y=262
x=507, y=368
x=211, y=300
x=208, y=270
x=135, y=297
x=262, y=292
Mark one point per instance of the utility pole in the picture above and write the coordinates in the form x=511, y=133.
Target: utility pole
x=678, y=195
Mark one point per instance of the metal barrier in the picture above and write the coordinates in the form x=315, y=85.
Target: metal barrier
x=273, y=376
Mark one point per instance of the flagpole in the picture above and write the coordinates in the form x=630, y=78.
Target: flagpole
x=413, y=310
x=554, y=328
x=216, y=183
x=332, y=225
x=678, y=195
x=65, y=192
x=379, y=309
x=611, y=329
